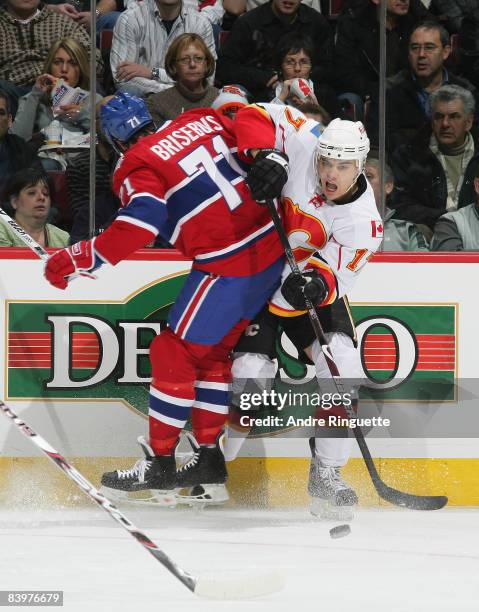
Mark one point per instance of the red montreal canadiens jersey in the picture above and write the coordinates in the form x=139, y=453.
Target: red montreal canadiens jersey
x=187, y=183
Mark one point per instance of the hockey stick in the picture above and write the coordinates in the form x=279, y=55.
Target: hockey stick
x=245, y=587
x=22, y=234
x=398, y=498
x=32, y=244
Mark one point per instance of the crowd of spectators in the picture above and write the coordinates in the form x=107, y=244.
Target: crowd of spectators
x=185, y=54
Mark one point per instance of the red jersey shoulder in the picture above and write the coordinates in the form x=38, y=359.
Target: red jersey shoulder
x=158, y=154
x=196, y=114
x=129, y=163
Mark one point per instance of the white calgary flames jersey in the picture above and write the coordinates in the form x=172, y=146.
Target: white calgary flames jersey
x=335, y=239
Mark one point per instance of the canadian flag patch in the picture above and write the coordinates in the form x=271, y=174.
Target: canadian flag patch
x=376, y=229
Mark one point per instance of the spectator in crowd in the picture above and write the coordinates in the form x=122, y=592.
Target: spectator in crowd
x=141, y=38
x=240, y=6
x=455, y=11
x=468, y=48
x=14, y=152
x=435, y=173
x=459, y=230
x=107, y=12
x=399, y=235
x=247, y=56
x=189, y=63
x=356, y=53
x=27, y=31
x=78, y=186
x=235, y=8
x=29, y=196
x=294, y=60
x=66, y=60
x=407, y=99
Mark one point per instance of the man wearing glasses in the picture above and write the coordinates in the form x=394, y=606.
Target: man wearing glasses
x=407, y=103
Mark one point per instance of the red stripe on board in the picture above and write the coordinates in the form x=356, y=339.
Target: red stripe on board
x=173, y=255
x=419, y=337
x=33, y=350
x=389, y=364
x=21, y=335
x=435, y=352
x=140, y=255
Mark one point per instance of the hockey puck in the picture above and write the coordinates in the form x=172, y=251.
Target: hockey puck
x=340, y=531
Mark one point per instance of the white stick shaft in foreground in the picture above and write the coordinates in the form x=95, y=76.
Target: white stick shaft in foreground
x=245, y=587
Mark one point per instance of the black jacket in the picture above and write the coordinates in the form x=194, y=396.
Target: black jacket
x=404, y=113
x=421, y=184
x=15, y=154
x=78, y=187
x=247, y=56
x=356, y=52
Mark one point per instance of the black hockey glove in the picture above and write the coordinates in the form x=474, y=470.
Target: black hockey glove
x=310, y=284
x=268, y=174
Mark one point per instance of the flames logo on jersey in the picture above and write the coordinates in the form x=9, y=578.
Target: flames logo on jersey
x=306, y=231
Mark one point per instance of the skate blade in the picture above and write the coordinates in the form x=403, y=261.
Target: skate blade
x=148, y=497
x=324, y=509
x=203, y=495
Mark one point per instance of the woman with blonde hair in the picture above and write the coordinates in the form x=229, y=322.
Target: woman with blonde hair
x=189, y=62
x=67, y=60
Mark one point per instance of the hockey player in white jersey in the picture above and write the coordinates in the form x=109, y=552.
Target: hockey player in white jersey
x=333, y=225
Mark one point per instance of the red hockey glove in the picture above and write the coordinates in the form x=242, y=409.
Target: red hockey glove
x=268, y=174
x=76, y=260
x=298, y=286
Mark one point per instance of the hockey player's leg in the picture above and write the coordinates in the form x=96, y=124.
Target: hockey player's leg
x=202, y=478
x=153, y=474
x=172, y=395
x=331, y=495
x=252, y=373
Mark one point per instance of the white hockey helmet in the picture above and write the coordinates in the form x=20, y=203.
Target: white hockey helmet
x=344, y=139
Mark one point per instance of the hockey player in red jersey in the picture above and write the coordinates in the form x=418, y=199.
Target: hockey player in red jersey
x=333, y=225
x=187, y=183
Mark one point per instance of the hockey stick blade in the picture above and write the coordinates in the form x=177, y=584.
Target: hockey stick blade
x=215, y=587
x=239, y=587
x=393, y=496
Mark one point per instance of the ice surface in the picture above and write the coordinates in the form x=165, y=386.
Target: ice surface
x=394, y=560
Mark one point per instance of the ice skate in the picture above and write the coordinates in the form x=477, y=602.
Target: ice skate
x=201, y=479
x=331, y=497
x=151, y=480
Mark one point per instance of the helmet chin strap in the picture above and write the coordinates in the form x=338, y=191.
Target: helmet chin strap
x=116, y=148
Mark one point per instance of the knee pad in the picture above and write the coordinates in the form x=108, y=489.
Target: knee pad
x=346, y=356
x=348, y=361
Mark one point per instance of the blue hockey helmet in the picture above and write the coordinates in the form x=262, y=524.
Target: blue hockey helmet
x=123, y=116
